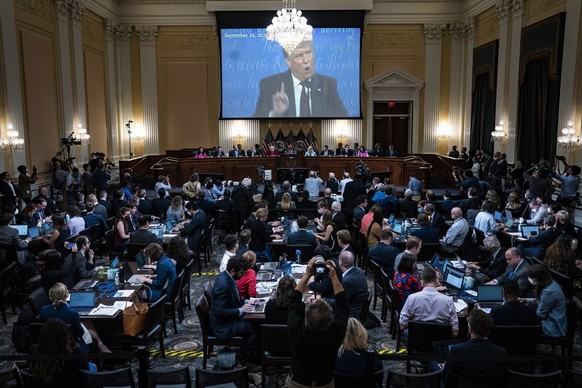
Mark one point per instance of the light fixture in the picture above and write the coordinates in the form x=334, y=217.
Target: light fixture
x=444, y=131
x=341, y=135
x=129, y=132
x=289, y=28
x=84, y=137
x=568, y=141
x=13, y=142
x=499, y=135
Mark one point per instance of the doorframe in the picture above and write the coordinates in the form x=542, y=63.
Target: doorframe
x=399, y=86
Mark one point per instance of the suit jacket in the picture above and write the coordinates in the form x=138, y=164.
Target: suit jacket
x=8, y=198
x=325, y=100
x=95, y=219
x=10, y=236
x=301, y=237
x=446, y=205
x=160, y=205
x=145, y=206
x=358, y=214
x=391, y=153
x=438, y=221
x=384, y=255
x=258, y=152
x=142, y=236
x=427, y=234
x=82, y=269
x=472, y=366
x=356, y=288
x=514, y=313
x=259, y=236
x=194, y=230
x=520, y=275
x=351, y=191
x=495, y=266
x=409, y=207
x=537, y=245
x=226, y=302
x=327, y=153
x=236, y=154
x=332, y=184
x=339, y=219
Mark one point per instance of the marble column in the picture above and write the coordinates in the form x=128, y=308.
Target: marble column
x=149, y=86
x=434, y=39
x=112, y=32
x=468, y=87
x=457, y=79
x=512, y=86
x=80, y=121
x=66, y=67
x=124, y=94
x=503, y=13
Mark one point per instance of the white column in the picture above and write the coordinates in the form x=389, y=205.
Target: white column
x=12, y=76
x=331, y=129
x=229, y=130
x=457, y=78
x=66, y=68
x=568, y=81
x=512, y=88
x=503, y=9
x=124, y=95
x=434, y=39
x=77, y=11
x=468, y=87
x=111, y=34
x=149, y=86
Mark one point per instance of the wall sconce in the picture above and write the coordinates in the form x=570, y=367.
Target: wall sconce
x=129, y=132
x=444, y=132
x=499, y=135
x=568, y=141
x=239, y=137
x=84, y=137
x=341, y=135
x=13, y=142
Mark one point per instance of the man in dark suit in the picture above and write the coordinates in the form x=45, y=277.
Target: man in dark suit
x=10, y=236
x=516, y=270
x=236, y=151
x=218, y=153
x=144, y=206
x=352, y=190
x=354, y=283
x=340, y=150
x=512, y=311
x=426, y=233
x=142, y=235
x=92, y=218
x=437, y=221
x=302, y=237
x=447, y=204
x=101, y=178
x=193, y=229
x=80, y=261
x=536, y=246
x=384, y=254
x=255, y=151
x=466, y=358
x=360, y=209
x=337, y=217
x=161, y=204
x=10, y=198
x=495, y=264
x=332, y=183
x=326, y=151
x=286, y=188
x=344, y=241
x=391, y=151
x=228, y=308
x=51, y=207
x=408, y=206
x=389, y=203
x=299, y=92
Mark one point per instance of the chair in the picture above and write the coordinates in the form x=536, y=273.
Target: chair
x=174, y=305
x=207, y=242
x=236, y=377
x=132, y=250
x=405, y=380
x=457, y=381
x=37, y=299
x=110, y=243
x=421, y=336
x=379, y=290
x=275, y=348
x=387, y=301
x=10, y=374
x=517, y=340
x=395, y=315
x=209, y=341
x=27, y=378
x=566, y=343
x=115, y=378
x=573, y=378
x=170, y=377
x=565, y=283
x=371, y=379
x=153, y=329
x=8, y=289
x=306, y=252
x=366, y=309
x=526, y=380
x=32, y=284
x=185, y=291
x=208, y=293
x=8, y=254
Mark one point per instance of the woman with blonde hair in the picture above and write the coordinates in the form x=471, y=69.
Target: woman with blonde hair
x=286, y=202
x=353, y=353
x=175, y=212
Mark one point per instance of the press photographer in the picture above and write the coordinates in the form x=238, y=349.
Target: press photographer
x=538, y=181
x=569, y=181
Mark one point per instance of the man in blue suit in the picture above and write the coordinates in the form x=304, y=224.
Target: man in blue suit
x=299, y=92
x=302, y=237
x=384, y=254
x=536, y=246
x=354, y=283
x=194, y=228
x=228, y=308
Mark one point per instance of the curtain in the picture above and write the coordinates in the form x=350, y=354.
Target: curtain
x=482, y=113
x=537, y=116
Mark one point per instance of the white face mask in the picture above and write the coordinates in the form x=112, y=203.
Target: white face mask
x=532, y=281
x=534, y=210
x=320, y=211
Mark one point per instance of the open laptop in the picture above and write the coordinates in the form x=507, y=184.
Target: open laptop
x=82, y=302
x=33, y=232
x=489, y=296
x=436, y=262
x=22, y=230
x=498, y=216
x=529, y=230
x=141, y=259
x=47, y=228
x=453, y=279
x=509, y=224
x=397, y=228
x=169, y=225
x=159, y=232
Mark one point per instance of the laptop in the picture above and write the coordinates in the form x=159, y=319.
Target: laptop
x=22, y=230
x=397, y=228
x=141, y=259
x=82, y=302
x=391, y=219
x=498, y=216
x=264, y=276
x=169, y=225
x=508, y=215
x=269, y=266
x=529, y=230
x=47, y=228
x=453, y=279
x=33, y=232
x=436, y=262
x=489, y=296
x=509, y=224
x=159, y=232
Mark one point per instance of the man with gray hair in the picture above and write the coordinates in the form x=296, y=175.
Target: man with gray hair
x=354, y=283
x=332, y=183
x=455, y=236
x=494, y=264
x=315, y=332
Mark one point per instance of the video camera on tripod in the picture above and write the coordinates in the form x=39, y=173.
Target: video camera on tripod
x=66, y=144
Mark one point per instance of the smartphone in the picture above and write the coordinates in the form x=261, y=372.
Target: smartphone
x=70, y=245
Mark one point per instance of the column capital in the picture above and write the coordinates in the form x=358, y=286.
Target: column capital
x=77, y=10
x=62, y=7
x=516, y=7
x=147, y=33
x=469, y=23
x=434, y=31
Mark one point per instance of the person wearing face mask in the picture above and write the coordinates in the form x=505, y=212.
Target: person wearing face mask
x=549, y=301
x=537, y=211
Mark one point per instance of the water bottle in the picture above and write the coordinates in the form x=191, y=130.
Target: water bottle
x=67, y=218
x=297, y=256
x=116, y=281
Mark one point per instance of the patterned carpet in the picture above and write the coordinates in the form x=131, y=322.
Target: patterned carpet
x=185, y=348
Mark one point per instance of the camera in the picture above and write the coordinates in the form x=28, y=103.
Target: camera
x=560, y=157
x=320, y=268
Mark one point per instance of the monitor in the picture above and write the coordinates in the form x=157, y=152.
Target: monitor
x=33, y=232
x=22, y=229
x=498, y=215
x=454, y=278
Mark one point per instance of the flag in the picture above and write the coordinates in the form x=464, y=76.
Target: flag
x=280, y=141
x=312, y=140
x=268, y=141
x=290, y=139
x=300, y=143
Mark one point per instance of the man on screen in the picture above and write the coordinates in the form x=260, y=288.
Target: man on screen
x=299, y=92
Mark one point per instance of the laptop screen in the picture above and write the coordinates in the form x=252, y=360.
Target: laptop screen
x=397, y=228
x=47, y=228
x=33, y=232
x=159, y=232
x=490, y=294
x=169, y=225
x=454, y=278
x=529, y=230
x=391, y=219
x=498, y=216
x=436, y=261
x=22, y=229
x=141, y=259
x=82, y=299
x=508, y=215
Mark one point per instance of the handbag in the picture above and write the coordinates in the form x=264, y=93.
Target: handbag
x=134, y=318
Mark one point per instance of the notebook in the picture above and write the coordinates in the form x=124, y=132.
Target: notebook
x=489, y=296
x=33, y=232
x=260, y=306
x=529, y=230
x=82, y=302
x=22, y=230
x=453, y=279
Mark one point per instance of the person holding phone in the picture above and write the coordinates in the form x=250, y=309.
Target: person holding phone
x=80, y=260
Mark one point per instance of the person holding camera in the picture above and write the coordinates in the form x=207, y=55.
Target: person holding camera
x=313, y=184
x=315, y=332
x=569, y=181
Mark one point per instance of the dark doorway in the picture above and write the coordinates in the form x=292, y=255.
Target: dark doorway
x=392, y=125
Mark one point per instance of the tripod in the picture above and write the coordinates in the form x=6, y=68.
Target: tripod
x=67, y=148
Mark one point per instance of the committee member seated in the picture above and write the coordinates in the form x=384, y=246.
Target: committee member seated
x=429, y=305
x=255, y=151
x=517, y=269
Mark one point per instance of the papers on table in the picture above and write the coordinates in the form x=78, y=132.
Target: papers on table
x=514, y=234
x=266, y=287
x=123, y=293
x=104, y=310
x=298, y=269
x=460, y=305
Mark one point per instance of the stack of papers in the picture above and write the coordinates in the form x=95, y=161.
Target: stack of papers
x=123, y=293
x=460, y=305
x=298, y=268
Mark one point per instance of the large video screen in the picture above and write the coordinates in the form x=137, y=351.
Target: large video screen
x=320, y=79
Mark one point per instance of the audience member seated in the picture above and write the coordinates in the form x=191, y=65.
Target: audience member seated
x=563, y=224
x=374, y=232
x=436, y=219
x=179, y=253
x=344, y=241
x=485, y=221
x=494, y=264
x=360, y=210
x=193, y=228
x=53, y=271
x=142, y=235
x=514, y=204
x=276, y=309
x=9, y=235
x=468, y=355
x=55, y=240
x=327, y=234
x=429, y=305
x=427, y=233
x=367, y=219
x=384, y=254
x=537, y=211
x=517, y=269
x=118, y=202
x=92, y=218
x=337, y=216
x=230, y=246
x=175, y=212
x=301, y=236
x=76, y=223
x=549, y=301
x=407, y=205
x=50, y=208
x=405, y=282
x=165, y=270
x=561, y=256
x=244, y=236
x=535, y=246
x=80, y=261
x=354, y=283
x=413, y=246
x=247, y=285
x=161, y=203
x=260, y=236
x=352, y=355
x=512, y=312
x=455, y=236
x=121, y=227
x=27, y=216
x=286, y=202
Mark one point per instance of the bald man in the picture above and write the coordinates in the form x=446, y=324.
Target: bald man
x=455, y=236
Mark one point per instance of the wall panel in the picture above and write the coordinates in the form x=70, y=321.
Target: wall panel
x=96, y=100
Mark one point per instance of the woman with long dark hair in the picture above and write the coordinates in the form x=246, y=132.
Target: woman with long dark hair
x=121, y=226
x=405, y=282
x=165, y=270
x=561, y=257
x=375, y=229
x=179, y=252
x=277, y=307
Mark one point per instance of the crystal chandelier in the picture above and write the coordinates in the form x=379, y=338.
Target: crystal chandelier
x=499, y=135
x=568, y=141
x=13, y=142
x=289, y=28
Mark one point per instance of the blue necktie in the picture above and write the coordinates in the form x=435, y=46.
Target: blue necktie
x=511, y=273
